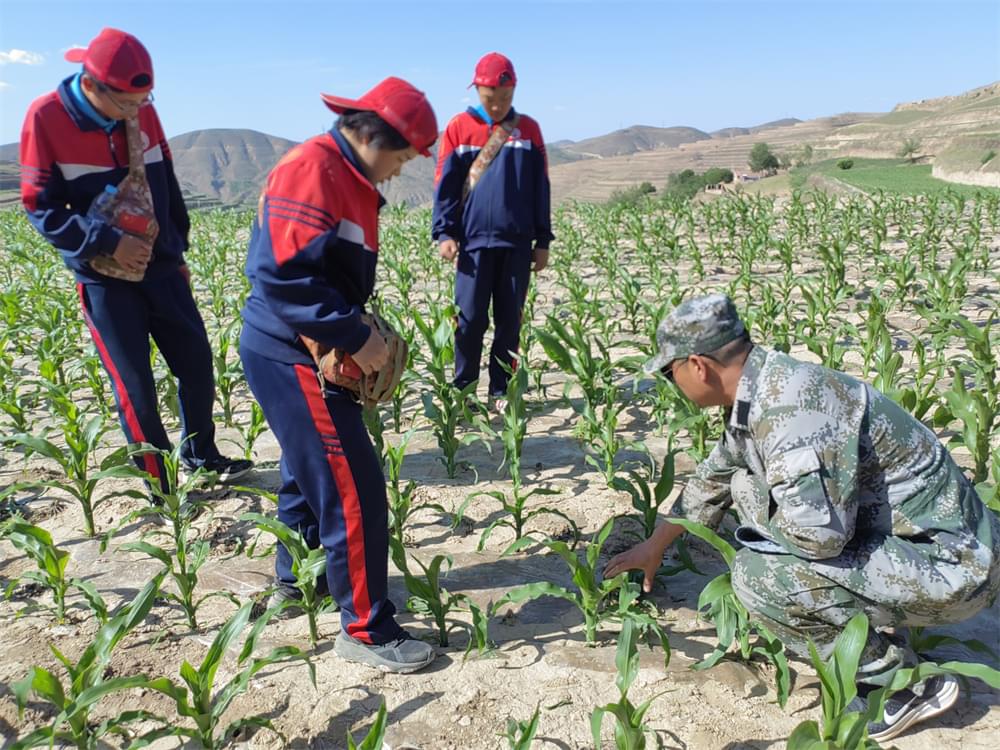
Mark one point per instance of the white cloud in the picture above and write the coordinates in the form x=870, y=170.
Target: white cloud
x=21, y=57
x=4, y=85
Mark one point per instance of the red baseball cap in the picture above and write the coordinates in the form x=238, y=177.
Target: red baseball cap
x=494, y=70
x=117, y=59
x=401, y=105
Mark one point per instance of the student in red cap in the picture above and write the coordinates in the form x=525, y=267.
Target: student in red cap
x=73, y=146
x=311, y=264
x=491, y=216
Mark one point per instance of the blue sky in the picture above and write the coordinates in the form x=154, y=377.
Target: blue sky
x=584, y=68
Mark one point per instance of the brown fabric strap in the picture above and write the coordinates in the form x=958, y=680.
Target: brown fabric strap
x=488, y=153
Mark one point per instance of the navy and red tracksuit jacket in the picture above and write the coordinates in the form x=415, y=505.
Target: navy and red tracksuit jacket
x=67, y=158
x=312, y=254
x=510, y=205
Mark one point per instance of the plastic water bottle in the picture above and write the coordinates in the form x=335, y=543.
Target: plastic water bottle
x=103, y=207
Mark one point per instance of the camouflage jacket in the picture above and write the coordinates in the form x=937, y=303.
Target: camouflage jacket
x=842, y=463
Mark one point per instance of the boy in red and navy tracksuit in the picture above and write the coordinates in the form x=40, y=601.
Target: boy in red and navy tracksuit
x=311, y=264
x=502, y=226
x=73, y=145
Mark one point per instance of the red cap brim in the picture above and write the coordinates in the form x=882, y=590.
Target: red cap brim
x=341, y=104
x=76, y=54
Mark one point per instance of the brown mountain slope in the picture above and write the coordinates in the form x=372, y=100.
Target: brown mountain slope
x=634, y=139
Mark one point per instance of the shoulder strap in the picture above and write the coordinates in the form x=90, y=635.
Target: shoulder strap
x=488, y=153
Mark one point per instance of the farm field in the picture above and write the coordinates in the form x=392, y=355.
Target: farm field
x=901, y=290
x=895, y=176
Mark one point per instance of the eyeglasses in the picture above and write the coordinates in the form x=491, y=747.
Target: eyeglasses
x=124, y=106
x=668, y=369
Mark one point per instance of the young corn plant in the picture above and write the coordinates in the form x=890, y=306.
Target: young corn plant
x=989, y=491
x=204, y=703
x=732, y=621
x=606, y=440
x=228, y=368
x=520, y=734
x=376, y=735
x=593, y=597
x=444, y=405
x=570, y=347
x=648, y=491
x=87, y=684
x=978, y=417
x=841, y=729
x=184, y=554
x=308, y=565
x=402, y=497
x=429, y=598
x=36, y=543
x=82, y=437
x=630, y=730
x=516, y=515
x=252, y=429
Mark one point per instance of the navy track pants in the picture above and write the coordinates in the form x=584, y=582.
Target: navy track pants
x=332, y=490
x=121, y=317
x=501, y=274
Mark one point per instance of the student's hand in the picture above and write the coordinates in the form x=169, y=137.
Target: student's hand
x=185, y=272
x=645, y=556
x=373, y=356
x=449, y=250
x=539, y=258
x=133, y=253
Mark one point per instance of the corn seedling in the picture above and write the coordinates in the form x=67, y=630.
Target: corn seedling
x=308, y=565
x=203, y=703
x=429, y=598
x=649, y=490
x=520, y=734
x=977, y=416
x=87, y=684
x=630, y=730
x=184, y=554
x=593, y=597
x=444, y=405
x=82, y=437
x=733, y=623
x=402, y=497
x=376, y=735
x=36, y=543
x=252, y=429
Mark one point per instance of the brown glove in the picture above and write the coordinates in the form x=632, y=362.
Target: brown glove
x=337, y=368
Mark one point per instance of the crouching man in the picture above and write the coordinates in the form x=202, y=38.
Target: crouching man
x=846, y=504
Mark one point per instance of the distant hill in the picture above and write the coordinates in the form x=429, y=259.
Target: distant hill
x=230, y=165
x=634, y=139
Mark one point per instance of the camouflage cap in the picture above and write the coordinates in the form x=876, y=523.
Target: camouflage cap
x=696, y=326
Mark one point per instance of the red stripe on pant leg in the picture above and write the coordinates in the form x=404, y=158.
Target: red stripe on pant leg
x=350, y=503
x=131, y=419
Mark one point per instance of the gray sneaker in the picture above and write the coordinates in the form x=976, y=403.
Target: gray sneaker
x=285, y=595
x=405, y=654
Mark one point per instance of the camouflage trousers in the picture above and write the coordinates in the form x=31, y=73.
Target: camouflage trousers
x=894, y=581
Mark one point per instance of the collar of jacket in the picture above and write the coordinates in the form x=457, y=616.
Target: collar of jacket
x=739, y=416
x=480, y=114
x=347, y=151
x=80, y=110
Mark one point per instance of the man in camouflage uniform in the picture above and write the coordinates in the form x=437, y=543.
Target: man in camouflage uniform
x=846, y=503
